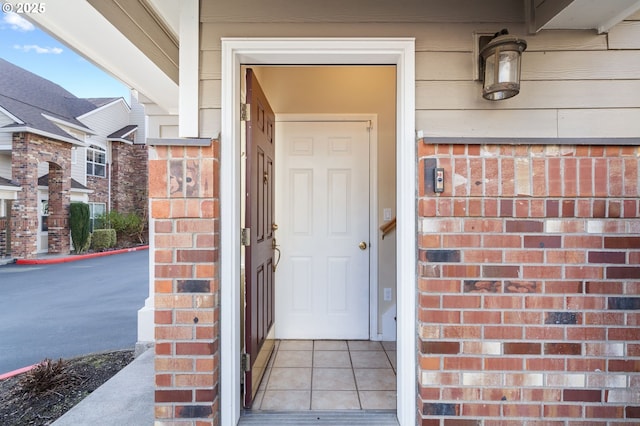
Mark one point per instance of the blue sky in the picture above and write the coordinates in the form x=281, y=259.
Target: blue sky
x=28, y=47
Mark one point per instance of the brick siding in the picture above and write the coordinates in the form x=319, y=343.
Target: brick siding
x=528, y=282
x=184, y=191
x=100, y=187
x=28, y=150
x=129, y=178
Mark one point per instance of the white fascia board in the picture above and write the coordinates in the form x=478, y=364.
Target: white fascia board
x=93, y=111
x=38, y=132
x=77, y=24
x=70, y=125
x=11, y=116
x=9, y=192
x=188, y=126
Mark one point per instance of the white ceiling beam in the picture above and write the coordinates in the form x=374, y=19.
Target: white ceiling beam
x=81, y=27
x=598, y=15
x=189, y=68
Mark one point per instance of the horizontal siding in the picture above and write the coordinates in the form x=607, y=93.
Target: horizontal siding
x=429, y=38
x=6, y=139
x=598, y=123
x=575, y=65
x=210, y=93
x=488, y=123
x=534, y=94
x=79, y=168
x=255, y=11
x=107, y=120
x=625, y=35
x=610, y=64
x=571, y=80
x=210, y=122
x=551, y=123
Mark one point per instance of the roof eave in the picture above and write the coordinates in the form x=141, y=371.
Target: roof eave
x=28, y=129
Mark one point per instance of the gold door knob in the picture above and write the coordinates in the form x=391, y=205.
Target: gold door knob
x=362, y=245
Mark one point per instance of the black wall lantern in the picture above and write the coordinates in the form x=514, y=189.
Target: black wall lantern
x=500, y=63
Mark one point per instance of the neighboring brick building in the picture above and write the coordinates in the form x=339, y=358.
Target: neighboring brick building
x=516, y=289
x=56, y=148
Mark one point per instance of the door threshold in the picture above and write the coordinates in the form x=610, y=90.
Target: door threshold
x=320, y=417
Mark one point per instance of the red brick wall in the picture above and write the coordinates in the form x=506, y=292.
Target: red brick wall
x=27, y=151
x=100, y=187
x=184, y=188
x=129, y=177
x=529, y=282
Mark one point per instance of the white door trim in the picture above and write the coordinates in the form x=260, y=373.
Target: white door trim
x=317, y=51
x=373, y=201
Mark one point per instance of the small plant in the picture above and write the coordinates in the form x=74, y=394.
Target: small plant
x=103, y=239
x=80, y=223
x=129, y=227
x=48, y=376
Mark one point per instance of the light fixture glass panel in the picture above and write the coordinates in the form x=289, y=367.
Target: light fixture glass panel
x=489, y=71
x=508, y=67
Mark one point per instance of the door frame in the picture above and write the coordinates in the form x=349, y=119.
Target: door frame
x=373, y=198
x=317, y=51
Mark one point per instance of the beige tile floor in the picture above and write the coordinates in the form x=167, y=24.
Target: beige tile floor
x=329, y=375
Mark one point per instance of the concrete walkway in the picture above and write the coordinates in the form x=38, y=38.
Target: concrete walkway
x=127, y=399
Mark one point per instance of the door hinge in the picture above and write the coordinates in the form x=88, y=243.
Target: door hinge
x=245, y=112
x=246, y=362
x=245, y=236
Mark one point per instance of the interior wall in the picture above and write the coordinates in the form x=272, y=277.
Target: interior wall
x=349, y=90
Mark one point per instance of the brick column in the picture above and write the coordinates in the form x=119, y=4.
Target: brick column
x=27, y=151
x=59, y=206
x=24, y=211
x=529, y=284
x=184, y=191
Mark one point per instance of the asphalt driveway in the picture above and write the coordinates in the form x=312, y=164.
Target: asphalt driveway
x=69, y=309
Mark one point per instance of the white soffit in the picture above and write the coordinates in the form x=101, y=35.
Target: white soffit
x=77, y=24
x=600, y=15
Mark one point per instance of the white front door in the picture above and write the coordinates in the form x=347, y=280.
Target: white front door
x=322, y=213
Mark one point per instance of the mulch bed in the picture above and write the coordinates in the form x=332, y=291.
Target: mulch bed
x=43, y=394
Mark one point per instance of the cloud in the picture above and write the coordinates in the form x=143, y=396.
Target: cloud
x=38, y=49
x=17, y=22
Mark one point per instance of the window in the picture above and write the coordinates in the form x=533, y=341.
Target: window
x=96, y=213
x=96, y=161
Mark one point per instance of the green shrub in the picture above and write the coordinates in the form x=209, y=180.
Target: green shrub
x=80, y=222
x=87, y=246
x=129, y=227
x=103, y=239
x=113, y=237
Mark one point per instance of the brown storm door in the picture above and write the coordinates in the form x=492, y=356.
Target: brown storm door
x=259, y=250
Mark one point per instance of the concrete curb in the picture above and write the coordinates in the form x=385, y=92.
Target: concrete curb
x=73, y=258
x=125, y=399
x=13, y=373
